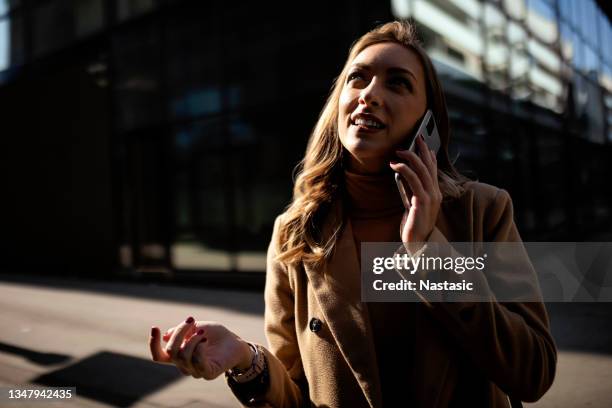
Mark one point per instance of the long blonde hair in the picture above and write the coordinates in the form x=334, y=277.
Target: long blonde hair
x=319, y=173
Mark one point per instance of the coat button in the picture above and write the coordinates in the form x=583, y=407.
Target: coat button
x=315, y=325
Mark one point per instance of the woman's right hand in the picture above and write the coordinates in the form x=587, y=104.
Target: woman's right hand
x=202, y=349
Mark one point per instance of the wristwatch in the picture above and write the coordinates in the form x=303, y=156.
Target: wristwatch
x=252, y=383
x=257, y=366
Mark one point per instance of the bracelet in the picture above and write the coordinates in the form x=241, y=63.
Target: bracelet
x=257, y=366
x=251, y=391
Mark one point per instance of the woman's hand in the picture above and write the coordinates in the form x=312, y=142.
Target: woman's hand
x=202, y=349
x=422, y=178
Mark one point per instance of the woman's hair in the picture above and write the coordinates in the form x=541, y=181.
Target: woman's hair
x=320, y=171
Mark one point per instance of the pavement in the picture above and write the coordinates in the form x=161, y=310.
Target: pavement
x=93, y=335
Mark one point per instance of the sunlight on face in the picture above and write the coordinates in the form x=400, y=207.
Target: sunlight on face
x=382, y=100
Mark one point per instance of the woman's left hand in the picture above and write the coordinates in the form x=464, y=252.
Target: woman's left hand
x=422, y=179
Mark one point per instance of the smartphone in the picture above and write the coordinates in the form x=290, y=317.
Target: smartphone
x=428, y=129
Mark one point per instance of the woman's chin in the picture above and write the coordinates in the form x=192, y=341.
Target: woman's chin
x=357, y=141
x=364, y=148
x=365, y=156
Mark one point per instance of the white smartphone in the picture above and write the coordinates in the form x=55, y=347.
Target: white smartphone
x=429, y=130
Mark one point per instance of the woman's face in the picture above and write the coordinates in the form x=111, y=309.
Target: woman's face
x=382, y=100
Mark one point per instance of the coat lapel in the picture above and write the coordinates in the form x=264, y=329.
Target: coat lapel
x=433, y=374
x=337, y=286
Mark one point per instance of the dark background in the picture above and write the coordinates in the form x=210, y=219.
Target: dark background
x=130, y=127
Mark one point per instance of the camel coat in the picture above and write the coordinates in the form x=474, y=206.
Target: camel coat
x=466, y=354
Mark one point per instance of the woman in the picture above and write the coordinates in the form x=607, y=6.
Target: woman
x=329, y=349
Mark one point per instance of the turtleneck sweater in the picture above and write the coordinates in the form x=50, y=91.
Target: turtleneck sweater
x=375, y=209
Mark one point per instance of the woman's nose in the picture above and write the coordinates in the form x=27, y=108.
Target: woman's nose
x=370, y=95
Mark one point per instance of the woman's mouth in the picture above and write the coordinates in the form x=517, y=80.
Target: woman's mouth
x=367, y=124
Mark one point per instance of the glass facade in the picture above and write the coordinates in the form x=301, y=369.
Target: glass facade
x=533, y=77
x=208, y=106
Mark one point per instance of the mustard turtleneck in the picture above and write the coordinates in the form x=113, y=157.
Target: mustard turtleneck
x=375, y=209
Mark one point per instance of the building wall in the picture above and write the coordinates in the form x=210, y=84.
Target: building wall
x=57, y=211
x=158, y=135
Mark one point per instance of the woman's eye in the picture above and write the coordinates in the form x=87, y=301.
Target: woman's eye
x=402, y=81
x=352, y=76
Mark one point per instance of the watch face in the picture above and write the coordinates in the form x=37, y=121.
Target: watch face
x=258, y=365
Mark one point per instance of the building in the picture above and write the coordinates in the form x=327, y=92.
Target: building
x=155, y=136
x=532, y=82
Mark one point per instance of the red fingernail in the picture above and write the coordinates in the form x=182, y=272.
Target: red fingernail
x=152, y=331
x=200, y=332
x=189, y=320
x=393, y=162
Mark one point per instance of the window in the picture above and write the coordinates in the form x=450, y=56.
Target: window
x=7, y=5
x=137, y=84
x=589, y=22
x=565, y=9
x=606, y=81
x=515, y=8
x=194, y=69
x=575, y=14
x=605, y=36
x=578, y=47
x=132, y=8
x=542, y=21
x=56, y=24
x=591, y=59
x=5, y=47
x=53, y=26
x=567, y=42
x=89, y=15
x=12, y=48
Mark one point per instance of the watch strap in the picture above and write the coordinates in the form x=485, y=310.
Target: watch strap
x=250, y=391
